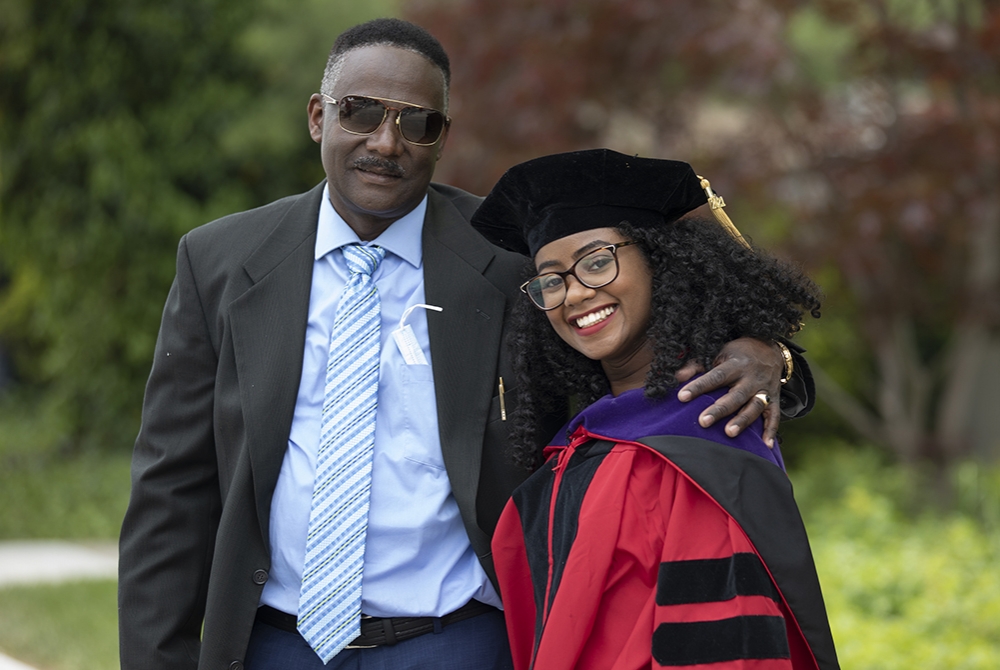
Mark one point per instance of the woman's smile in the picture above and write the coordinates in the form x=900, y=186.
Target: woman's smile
x=591, y=319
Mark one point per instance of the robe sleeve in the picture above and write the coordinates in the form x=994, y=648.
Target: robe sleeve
x=514, y=577
x=716, y=605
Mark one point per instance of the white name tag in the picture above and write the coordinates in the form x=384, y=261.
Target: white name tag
x=407, y=341
x=408, y=346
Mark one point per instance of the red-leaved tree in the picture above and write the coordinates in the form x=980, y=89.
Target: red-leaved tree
x=861, y=136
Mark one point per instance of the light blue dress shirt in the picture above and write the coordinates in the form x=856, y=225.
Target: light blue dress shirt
x=418, y=560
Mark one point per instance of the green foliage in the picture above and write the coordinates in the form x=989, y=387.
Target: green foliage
x=923, y=14
x=124, y=124
x=95, y=191
x=821, y=45
x=82, y=616
x=924, y=595
x=46, y=492
x=904, y=588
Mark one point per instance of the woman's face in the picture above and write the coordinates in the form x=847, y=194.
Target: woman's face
x=609, y=323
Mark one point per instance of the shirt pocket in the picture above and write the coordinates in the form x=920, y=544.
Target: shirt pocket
x=423, y=441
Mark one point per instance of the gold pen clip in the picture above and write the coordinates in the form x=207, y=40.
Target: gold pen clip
x=503, y=406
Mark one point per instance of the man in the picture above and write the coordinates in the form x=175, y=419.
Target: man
x=215, y=539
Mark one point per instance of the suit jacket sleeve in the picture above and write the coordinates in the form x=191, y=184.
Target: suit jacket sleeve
x=168, y=533
x=799, y=395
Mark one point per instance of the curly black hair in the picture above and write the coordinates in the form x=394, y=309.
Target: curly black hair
x=708, y=289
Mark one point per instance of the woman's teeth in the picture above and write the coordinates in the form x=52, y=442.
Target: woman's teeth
x=594, y=317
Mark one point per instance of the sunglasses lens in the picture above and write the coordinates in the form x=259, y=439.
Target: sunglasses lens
x=421, y=126
x=361, y=115
x=365, y=115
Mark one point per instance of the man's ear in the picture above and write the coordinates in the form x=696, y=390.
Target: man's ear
x=315, y=113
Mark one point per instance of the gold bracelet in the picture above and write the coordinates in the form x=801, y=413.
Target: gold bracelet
x=786, y=356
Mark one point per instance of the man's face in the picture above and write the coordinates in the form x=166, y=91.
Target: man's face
x=375, y=179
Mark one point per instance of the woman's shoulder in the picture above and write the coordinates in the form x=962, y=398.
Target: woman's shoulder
x=632, y=417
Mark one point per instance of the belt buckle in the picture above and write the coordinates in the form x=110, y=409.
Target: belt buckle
x=361, y=646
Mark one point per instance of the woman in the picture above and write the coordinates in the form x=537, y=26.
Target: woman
x=643, y=540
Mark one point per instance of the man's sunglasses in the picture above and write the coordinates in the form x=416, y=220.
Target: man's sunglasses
x=360, y=115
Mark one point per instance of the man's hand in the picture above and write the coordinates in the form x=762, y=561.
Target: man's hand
x=748, y=367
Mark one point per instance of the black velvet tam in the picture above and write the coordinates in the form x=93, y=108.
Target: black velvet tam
x=544, y=199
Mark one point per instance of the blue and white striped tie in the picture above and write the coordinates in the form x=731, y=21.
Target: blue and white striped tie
x=330, y=599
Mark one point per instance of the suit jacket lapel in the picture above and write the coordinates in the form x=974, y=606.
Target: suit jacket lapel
x=464, y=342
x=268, y=330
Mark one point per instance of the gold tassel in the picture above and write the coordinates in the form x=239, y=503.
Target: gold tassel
x=716, y=202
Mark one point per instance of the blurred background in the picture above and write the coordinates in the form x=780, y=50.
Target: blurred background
x=859, y=137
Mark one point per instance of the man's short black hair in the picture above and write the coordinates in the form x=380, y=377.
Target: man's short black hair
x=386, y=32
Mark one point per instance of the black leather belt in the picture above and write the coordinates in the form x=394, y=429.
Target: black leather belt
x=376, y=631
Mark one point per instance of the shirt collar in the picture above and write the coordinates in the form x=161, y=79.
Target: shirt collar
x=402, y=237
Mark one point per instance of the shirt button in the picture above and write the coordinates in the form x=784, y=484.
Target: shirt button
x=236, y=665
x=259, y=577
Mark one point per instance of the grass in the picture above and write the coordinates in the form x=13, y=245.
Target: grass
x=48, y=491
x=72, y=626
x=83, y=497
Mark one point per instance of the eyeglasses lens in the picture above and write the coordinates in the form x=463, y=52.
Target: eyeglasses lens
x=416, y=124
x=596, y=269
x=547, y=291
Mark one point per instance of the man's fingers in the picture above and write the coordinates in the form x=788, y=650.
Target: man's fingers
x=726, y=405
x=772, y=419
x=688, y=370
x=752, y=369
x=748, y=414
x=711, y=380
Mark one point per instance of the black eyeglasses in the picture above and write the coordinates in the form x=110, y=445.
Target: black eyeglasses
x=594, y=270
x=360, y=115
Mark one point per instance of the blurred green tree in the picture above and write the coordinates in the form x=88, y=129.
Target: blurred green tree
x=123, y=124
x=860, y=136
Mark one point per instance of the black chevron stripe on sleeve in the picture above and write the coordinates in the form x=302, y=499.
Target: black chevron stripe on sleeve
x=744, y=637
x=713, y=580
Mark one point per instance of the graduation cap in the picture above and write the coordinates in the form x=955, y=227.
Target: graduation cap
x=547, y=198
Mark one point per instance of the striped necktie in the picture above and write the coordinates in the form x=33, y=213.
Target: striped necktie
x=330, y=599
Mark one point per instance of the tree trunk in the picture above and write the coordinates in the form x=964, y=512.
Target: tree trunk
x=904, y=391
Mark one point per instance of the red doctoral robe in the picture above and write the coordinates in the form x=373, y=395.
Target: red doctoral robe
x=637, y=545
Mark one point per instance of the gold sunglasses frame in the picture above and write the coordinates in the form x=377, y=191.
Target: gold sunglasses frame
x=385, y=114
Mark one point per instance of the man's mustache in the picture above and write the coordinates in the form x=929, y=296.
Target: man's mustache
x=379, y=166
